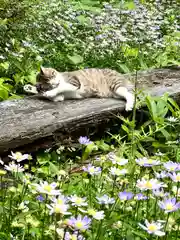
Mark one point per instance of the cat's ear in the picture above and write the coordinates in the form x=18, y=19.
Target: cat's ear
x=54, y=73
x=42, y=70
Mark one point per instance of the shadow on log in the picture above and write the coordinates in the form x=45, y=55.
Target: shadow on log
x=30, y=124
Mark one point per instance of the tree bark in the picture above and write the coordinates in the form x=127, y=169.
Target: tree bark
x=30, y=124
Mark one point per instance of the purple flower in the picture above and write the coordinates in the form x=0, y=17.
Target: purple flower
x=162, y=174
x=40, y=198
x=175, y=177
x=84, y=140
x=92, y=170
x=140, y=196
x=74, y=235
x=171, y=166
x=80, y=223
x=125, y=195
x=169, y=205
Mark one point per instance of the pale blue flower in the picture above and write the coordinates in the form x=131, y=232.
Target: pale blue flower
x=105, y=199
x=84, y=140
x=125, y=195
x=140, y=196
x=171, y=166
x=92, y=170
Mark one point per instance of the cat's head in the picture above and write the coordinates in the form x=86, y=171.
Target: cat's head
x=46, y=79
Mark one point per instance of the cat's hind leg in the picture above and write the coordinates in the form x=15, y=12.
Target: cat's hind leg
x=58, y=98
x=128, y=96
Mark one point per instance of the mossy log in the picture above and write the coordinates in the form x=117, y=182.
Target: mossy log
x=30, y=124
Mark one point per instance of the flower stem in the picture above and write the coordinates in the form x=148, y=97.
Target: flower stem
x=165, y=237
x=99, y=231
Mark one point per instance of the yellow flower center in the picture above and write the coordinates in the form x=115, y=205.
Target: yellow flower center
x=18, y=155
x=148, y=184
x=91, y=212
x=169, y=206
x=47, y=188
x=91, y=170
x=152, y=227
x=172, y=168
x=57, y=209
x=78, y=201
x=142, y=162
x=178, y=178
x=150, y=160
x=79, y=224
x=74, y=237
x=60, y=201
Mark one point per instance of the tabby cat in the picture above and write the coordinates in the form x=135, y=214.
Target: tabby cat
x=86, y=83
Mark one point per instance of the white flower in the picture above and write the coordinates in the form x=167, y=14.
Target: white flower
x=98, y=215
x=60, y=200
x=12, y=167
x=117, y=171
x=45, y=187
x=176, y=191
x=23, y=206
x=172, y=119
x=78, y=201
x=19, y=156
x=58, y=208
x=149, y=184
x=119, y=161
x=153, y=228
x=1, y=162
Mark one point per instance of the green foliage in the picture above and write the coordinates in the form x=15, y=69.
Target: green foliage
x=68, y=35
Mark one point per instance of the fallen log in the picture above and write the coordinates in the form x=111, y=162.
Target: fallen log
x=30, y=124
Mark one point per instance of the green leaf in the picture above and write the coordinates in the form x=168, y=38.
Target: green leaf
x=83, y=20
x=76, y=59
x=53, y=168
x=3, y=236
x=14, y=96
x=165, y=134
x=125, y=128
x=102, y=145
x=130, y=5
x=173, y=103
x=124, y=68
x=88, y=150
x=3, y=94
x=4, y=65
x=152, y=107
x=43, y=158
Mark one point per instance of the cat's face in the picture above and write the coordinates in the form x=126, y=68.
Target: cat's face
x=46, y=79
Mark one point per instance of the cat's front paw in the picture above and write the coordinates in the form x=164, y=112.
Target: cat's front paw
x=28, y=88
x=129, y=107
